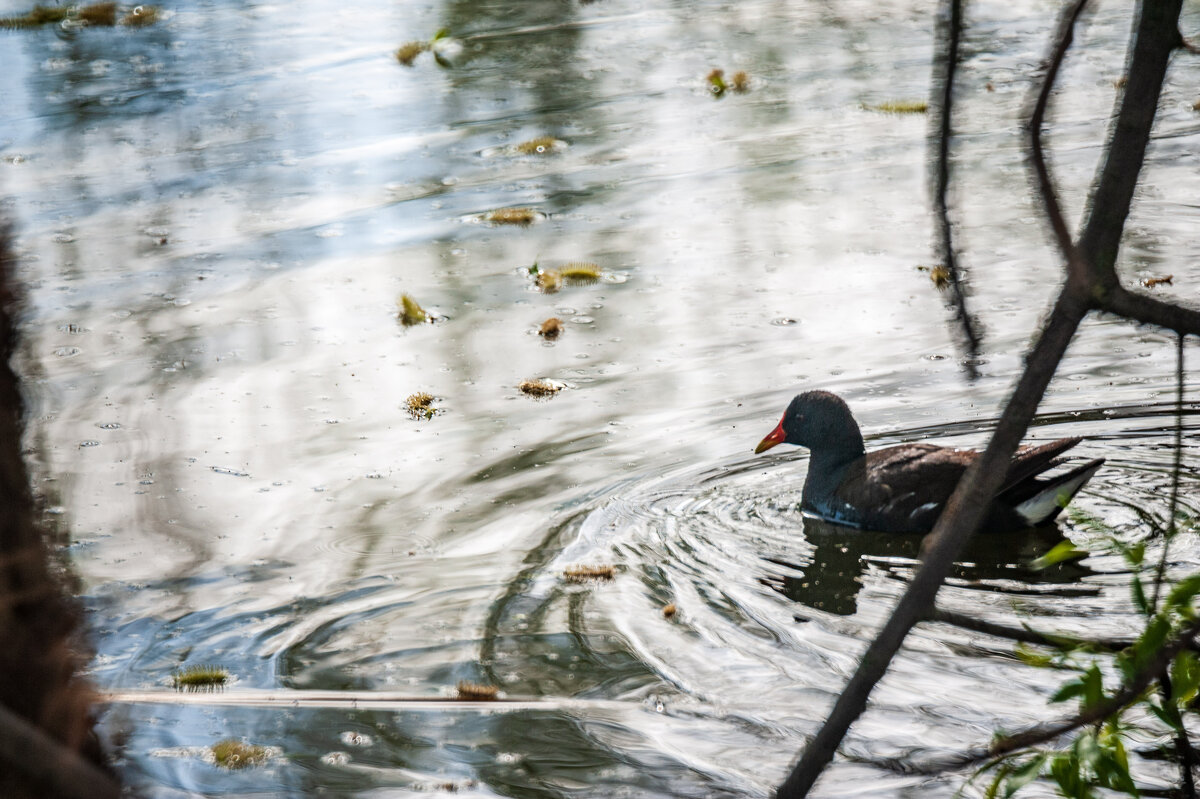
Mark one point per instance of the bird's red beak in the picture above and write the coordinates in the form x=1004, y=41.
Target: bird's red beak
x=776, y=436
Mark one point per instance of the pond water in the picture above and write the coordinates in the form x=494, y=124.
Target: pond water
x=217, y=213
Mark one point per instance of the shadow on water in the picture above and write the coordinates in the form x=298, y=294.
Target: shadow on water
x=831, y=577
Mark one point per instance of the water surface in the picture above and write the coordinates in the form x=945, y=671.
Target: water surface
x=217, y=213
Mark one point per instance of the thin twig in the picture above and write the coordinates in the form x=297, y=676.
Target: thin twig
x=952, y=32
x=1183, y=744
x=1129, y=692
x=1026, y=635
x=1161, y=571
x=1076, y=270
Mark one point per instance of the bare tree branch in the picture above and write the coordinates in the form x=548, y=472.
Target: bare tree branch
x=1141, y=308
x=1155, y=37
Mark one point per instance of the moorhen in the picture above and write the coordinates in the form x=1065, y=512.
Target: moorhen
x=903, y=489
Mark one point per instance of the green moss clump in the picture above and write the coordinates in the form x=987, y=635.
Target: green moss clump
x=200, y=678
x=716, y=82
x=740, y=82
x=410, y=312
x=580, y=272
x=234, y=754
x=900, y=107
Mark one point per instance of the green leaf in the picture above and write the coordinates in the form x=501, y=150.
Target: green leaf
x=1183, y=592
x=441, y=34
x=1063, y=550
x=1139, y=596
x=1032, y=657
x=1166, y=717
x=1150, y=642
x=1025, y=774
x=1185, y=677
x=1093, y=687
x=1135, y=554
x=1068, y=691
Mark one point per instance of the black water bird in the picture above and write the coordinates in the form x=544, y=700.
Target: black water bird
x=903, y=489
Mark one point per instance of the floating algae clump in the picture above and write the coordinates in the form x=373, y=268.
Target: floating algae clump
x=580, y=272
x=538, y=388
x=940, y=276
x=740, y=82
x=38, y=15
x=581, y=574
x=104, y=14
x=411, y=313
x=551, y=329
x=420, y=405
x=233, y=754
x=200, y=678
x=900, y=107
x=141, y=16
x=539, y=146
x=409, y=51
x=473, y=690
x=511, y=216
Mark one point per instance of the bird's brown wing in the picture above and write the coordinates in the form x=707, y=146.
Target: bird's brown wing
x=904, y=487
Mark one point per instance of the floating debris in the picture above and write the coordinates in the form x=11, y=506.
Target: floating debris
x=1120, y=82
x=409, y=51
x=200, y=678
x=581, y=574
x=38, y=15
x=670, y=610
x=140, y=16
x=477, y=691
x=101, y=14
x=740, y=82
x=548, y=280
x=411, y=313
x=551, y=329
x=1152, y=282
x=234, y=754
x=716, y=82
x=538, y=388
x=900, y=107
x=580, y=272
x=511, y=216
x=539, y=146
x=940, y=276
x=420, y=406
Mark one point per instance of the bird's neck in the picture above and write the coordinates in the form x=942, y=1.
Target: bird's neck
x=827, y=467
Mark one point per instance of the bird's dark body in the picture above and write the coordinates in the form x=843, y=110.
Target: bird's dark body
x=904, y=488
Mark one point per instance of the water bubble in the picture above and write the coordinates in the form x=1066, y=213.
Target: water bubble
x=231, y=472
x=67, y=352
x=352, y=738
x=335, y=758
x=108, y=425
x=784, y=321
x=89, y=443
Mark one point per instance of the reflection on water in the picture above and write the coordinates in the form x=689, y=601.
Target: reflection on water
x=217, y=214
